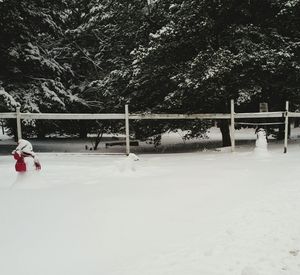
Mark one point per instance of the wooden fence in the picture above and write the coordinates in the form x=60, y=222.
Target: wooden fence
x=126, y=116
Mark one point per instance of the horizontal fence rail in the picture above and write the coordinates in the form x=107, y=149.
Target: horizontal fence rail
x=78, y=116
x=293, y=114
x=258, y=124
x=8, y=115
x=179, y=116
x=70, y=116
x=259, y=115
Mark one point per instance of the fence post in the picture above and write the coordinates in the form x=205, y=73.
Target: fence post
x=2, y=126
x=19, y=127
x=232, y=126
x=127, y=130
x=286, y=128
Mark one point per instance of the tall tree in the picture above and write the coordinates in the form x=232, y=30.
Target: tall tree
x=100, y=39
x=209, y=52
x=31, y=74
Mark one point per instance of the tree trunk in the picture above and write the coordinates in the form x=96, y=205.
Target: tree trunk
x=41, y=129
x=224, y=127
x=280, y=134
x=83, y=130
x=98, y=138
x=41, y=133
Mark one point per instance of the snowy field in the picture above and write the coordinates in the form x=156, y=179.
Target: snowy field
x=170, y=143
x=202, y=213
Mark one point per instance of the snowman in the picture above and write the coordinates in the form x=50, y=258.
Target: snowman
x=261, y=143
x=23, y=154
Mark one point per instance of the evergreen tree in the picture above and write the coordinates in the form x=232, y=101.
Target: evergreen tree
x=101, y=36
x=31, y=73
x=209, y=52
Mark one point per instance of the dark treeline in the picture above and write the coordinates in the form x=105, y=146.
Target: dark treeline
x=175, y=56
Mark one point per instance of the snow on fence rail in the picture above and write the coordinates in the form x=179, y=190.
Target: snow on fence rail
x=8, y=115
x=52, y=116
x=179, y=116
x=127, y=116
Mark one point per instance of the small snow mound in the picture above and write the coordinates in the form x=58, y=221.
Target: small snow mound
x=133, y=157
x=249, y=271
x=128, y=164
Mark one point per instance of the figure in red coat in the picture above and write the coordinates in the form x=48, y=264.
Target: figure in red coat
x=23, y=150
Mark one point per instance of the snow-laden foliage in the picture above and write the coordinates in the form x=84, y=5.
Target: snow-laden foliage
x=32, y=72
x=7, y=102
x=208, y=52
x=175, y=56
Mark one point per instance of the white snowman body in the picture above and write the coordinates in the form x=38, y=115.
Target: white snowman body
x=261, y=144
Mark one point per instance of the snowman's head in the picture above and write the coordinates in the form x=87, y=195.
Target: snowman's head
x=261, y=132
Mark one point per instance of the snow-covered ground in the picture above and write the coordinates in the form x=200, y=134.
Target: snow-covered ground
x=207, y=213
x=171, y=142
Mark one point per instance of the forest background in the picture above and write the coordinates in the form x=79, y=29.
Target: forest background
x=164, y=56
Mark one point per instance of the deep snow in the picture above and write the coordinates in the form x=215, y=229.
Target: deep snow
x=210, y=213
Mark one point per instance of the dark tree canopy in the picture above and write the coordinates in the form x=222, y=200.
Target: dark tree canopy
x=176, y=56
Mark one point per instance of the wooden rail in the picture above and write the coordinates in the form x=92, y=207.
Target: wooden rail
x=126, y=116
